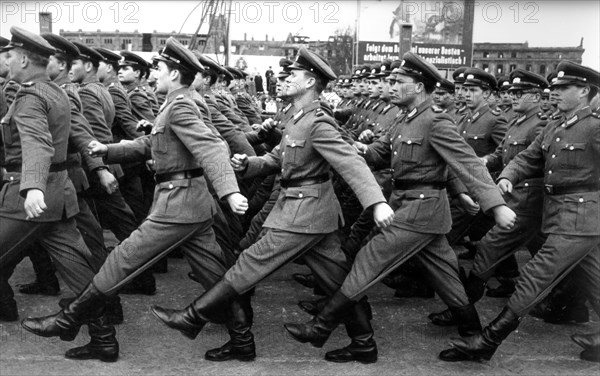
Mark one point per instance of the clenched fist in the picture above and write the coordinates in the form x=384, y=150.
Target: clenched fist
x=237, y=203
x=96, y=149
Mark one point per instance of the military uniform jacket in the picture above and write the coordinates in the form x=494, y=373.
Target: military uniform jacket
x=248, y=107
x=310, y=146
x=421, y=147
x=567, y=153
x=527, y=196
x=483, y=130
x=152, y=97
x=10, y=89
x=385, y=118
x=180, y=141
x=79, y=138
x=459, y=112
x=141, y=106
x=235, y=138
x=35, y=132
x=124, y=125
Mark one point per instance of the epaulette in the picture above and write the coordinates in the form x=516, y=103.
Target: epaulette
x=111, y=84
x=180, y=96
x=319, y=112
x=206, y=95
x=542, y=115
x=437, y=109
x=27, y=84
x=596, y=115
x=495, y=112
x=141, y=88
x=136, y=89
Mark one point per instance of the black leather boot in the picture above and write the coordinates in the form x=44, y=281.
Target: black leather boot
x=41, y=288
x=484, y=344
x=211, y=306
x=66, y=323
x=444, y=318
x=241, y=345
x=45, y=282
x=474, y=287
x=504, y=290
x=317, y=330
x=590, y=344
x=312, y=307
x=103, y=343
x=306, y=280
x=363, y=348
x=113, y=308
x=8, y=310
x=415, y=289
x=468, y=325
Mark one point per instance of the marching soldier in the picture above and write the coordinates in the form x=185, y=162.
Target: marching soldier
x=311, y=144
x=131, y=71
x=39, y=198
x=566, y=153
x=443, y=96
x=505, y=103
x=186, y=153
x=421, y=147
x=459, y=99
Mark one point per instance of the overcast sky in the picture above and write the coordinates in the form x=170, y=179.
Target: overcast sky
x=541, y=23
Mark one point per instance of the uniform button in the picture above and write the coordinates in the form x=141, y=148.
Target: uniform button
x=464, y=132
x=287, y=136
x=527, y=184
x=508, y=136
x=170, y=186
x=282, y=153
x=514, y=143
x=475, y=138
x=409, y=142
x=553, y=155
x=550, y=172
x=557, y=139
x=571, y=148
x=581, y=199
x=293, y=144
x=400, y=136
x=421, y=196
x=505, y=150
x=12, y=178
x=395, y=153
x=300, y=195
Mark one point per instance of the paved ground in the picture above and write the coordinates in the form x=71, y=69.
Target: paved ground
x=408, y=343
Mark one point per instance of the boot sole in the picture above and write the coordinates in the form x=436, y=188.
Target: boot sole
x=185, y=334
x=318, y=345
x=241, y=358
x=106, y=359
x=363, y=361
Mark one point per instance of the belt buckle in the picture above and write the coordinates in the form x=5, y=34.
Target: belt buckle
x=549, y=189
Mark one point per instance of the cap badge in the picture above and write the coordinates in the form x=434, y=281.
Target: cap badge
x=516, y=80
x=470, y=77
x=560, y=74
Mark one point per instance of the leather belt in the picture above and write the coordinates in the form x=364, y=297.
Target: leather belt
x=565, y=190
x=414, y=185
x=54, y=167
x=299, y=182
x=181, y=175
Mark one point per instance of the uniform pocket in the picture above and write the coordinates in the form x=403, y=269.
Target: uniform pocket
x=422, y=206
x=573, y=154
x=581, y=213
x=293, y=151
x=298, y=200
x=410, y=149
x=159, y=140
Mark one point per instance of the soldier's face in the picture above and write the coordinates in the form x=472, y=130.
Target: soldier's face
x=505, y=97
x=3, y=65
x=545, y=102
x=127, y=75
x=474, y=96
x=296, y=83
x=374, y=90
x=279, y=87
x=385, y=89
x=102, y=71
x=458, y=93
x=570, y=96
x=163, y=78
x=524, y=101
x=53, y=67
x=15, y=62
x=404, y=90
x=442, y=98
x=77, y=71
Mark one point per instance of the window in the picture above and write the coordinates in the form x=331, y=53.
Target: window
x=162, y=42
x=513, y=54
x=542, y=69
x=261, y=47
x=500, y=69
x=485, y=67
x=528, y=67
x=89, y=41
x=107, y=40
x=184, y=42
x=486, y=54
x=513, y=67
x=500, y=55
x=126, y=41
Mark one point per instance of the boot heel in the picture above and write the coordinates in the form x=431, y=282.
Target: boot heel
x=246, y=357
x=69, y=335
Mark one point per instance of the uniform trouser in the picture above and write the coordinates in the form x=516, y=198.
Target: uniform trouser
x=321, y=253
x=558, y=256
x=61, y=239
x=112, y=211
x=258, y=220
x=395, y=245
x=500, y=244
x=154, y=240
x=358, y=233
x=464, y=224
x=130, y=186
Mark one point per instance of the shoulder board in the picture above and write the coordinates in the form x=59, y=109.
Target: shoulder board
x=436, y=109
x=180, y=96
x=495, y=112
x=206, y=96
x=542, y=115
x=319, y=112
x=141, y=88
x=596, y=115
x=64, y=86
x=112, y=84
x=27, y=84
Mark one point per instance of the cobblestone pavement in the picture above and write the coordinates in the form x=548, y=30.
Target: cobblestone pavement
x=408, y=343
